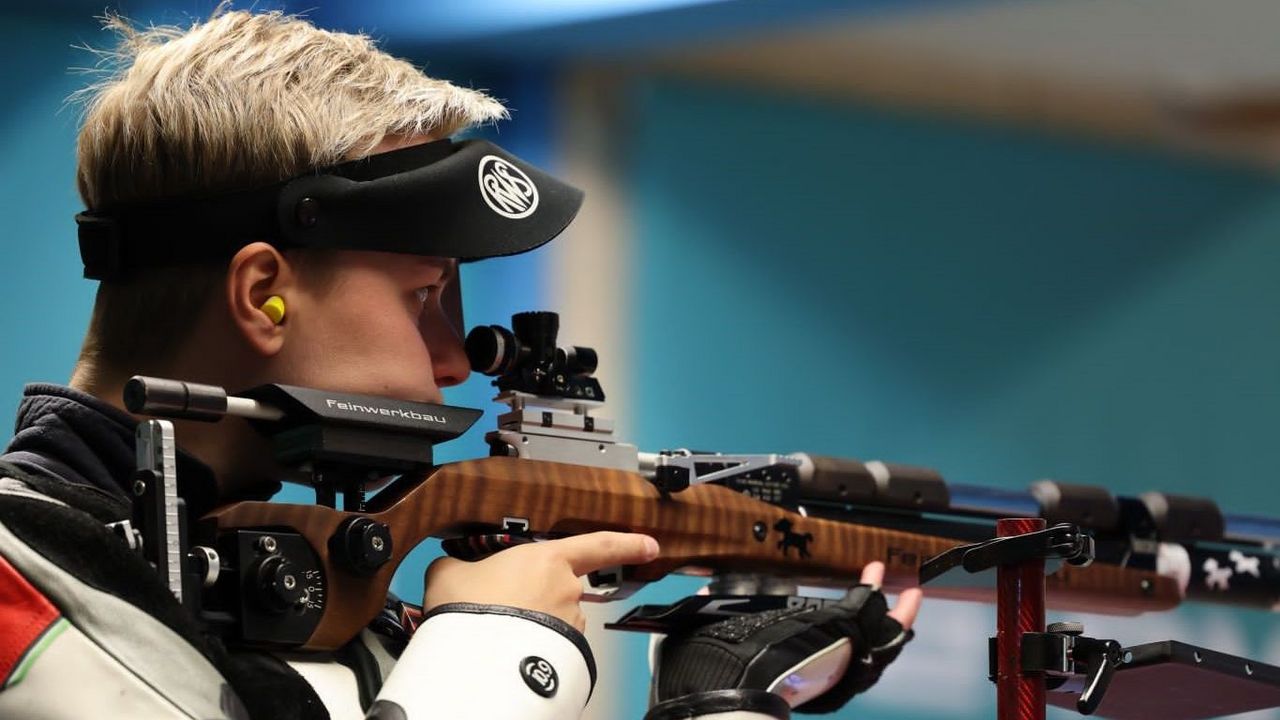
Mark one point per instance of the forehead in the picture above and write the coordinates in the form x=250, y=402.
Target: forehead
x=400, y=268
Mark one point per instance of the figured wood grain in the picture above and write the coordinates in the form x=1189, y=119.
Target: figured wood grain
x=705, y=528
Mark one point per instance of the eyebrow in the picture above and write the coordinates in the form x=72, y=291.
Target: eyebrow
x=447, y=267
x=450, y=271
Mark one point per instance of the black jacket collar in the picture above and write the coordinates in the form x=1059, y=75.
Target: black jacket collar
x=64, y=435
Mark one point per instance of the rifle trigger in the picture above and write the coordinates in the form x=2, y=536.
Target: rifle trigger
x=478, y=547
x=608, y=584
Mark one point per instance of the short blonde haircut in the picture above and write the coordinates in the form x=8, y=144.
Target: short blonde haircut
x=240, y=100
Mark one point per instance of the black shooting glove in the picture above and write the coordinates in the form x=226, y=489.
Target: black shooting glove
x=768, y=650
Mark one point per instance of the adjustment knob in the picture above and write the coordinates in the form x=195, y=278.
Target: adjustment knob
x=579, y=361
x=536, y=325
x=1066, y=628
x=537, y=331
x=279, y=587
x=492, y=350
x=361, y=545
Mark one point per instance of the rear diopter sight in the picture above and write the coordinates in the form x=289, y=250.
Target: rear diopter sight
x=526, y=359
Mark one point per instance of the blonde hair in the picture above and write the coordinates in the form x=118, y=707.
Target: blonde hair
x=240, y=100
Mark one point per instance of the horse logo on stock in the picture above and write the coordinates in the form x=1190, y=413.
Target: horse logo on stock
x=791, y=539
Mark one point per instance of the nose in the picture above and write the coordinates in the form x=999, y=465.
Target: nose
x=449, y=361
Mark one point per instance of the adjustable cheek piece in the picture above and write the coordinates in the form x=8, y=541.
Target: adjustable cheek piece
x=467, y=200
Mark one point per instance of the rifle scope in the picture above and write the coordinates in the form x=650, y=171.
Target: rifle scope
x=527, y=359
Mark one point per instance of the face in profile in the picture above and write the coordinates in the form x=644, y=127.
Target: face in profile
x=374, y=324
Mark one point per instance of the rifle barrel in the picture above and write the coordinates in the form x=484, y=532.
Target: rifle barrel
x=997, y=503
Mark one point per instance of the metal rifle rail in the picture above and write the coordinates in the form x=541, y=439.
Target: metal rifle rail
x=993, y=503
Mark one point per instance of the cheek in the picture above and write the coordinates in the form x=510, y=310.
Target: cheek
x=362, y=346
x=381, y=339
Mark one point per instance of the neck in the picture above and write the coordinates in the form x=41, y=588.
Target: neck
x=89, y=380
x=237, y=454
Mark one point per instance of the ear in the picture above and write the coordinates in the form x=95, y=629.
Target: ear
x=257, y=272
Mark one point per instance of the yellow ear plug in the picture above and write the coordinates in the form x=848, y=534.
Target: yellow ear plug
x=274, y=308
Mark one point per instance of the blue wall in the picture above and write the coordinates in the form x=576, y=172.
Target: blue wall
x=45, y=302
x=1000, y=305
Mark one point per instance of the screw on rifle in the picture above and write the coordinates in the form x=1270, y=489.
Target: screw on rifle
x=1147, y=587
x=289, y=582
x=760, y=531
x=307, y=213
x=1066, y=628
x=361, y=545
x=267, y=544
x=139, y=487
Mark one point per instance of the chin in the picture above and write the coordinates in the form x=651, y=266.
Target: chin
x=419, y=394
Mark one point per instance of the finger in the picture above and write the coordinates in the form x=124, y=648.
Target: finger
x=873, y=574
x=598, y=550
x=907, y=607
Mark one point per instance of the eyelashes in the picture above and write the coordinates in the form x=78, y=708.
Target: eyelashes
x=423, y=294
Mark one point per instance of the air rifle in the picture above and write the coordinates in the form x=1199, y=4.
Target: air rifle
x=762, y=526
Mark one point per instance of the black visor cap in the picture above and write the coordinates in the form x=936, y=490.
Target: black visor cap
x=467, y=200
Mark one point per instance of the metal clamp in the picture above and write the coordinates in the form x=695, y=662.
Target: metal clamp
x=1063, y=542
x=1063, y=653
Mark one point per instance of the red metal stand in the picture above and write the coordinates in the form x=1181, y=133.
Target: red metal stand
x=1019, y=609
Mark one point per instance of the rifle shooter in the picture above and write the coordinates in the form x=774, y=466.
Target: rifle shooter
x=312, y=576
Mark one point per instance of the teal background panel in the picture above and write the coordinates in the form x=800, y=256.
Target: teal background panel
x=46, y=302
x=999, y=304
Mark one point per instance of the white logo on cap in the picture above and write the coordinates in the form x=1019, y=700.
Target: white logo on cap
x=506, y=189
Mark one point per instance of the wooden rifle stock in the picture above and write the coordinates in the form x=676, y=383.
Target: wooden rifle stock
x=705, y=528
